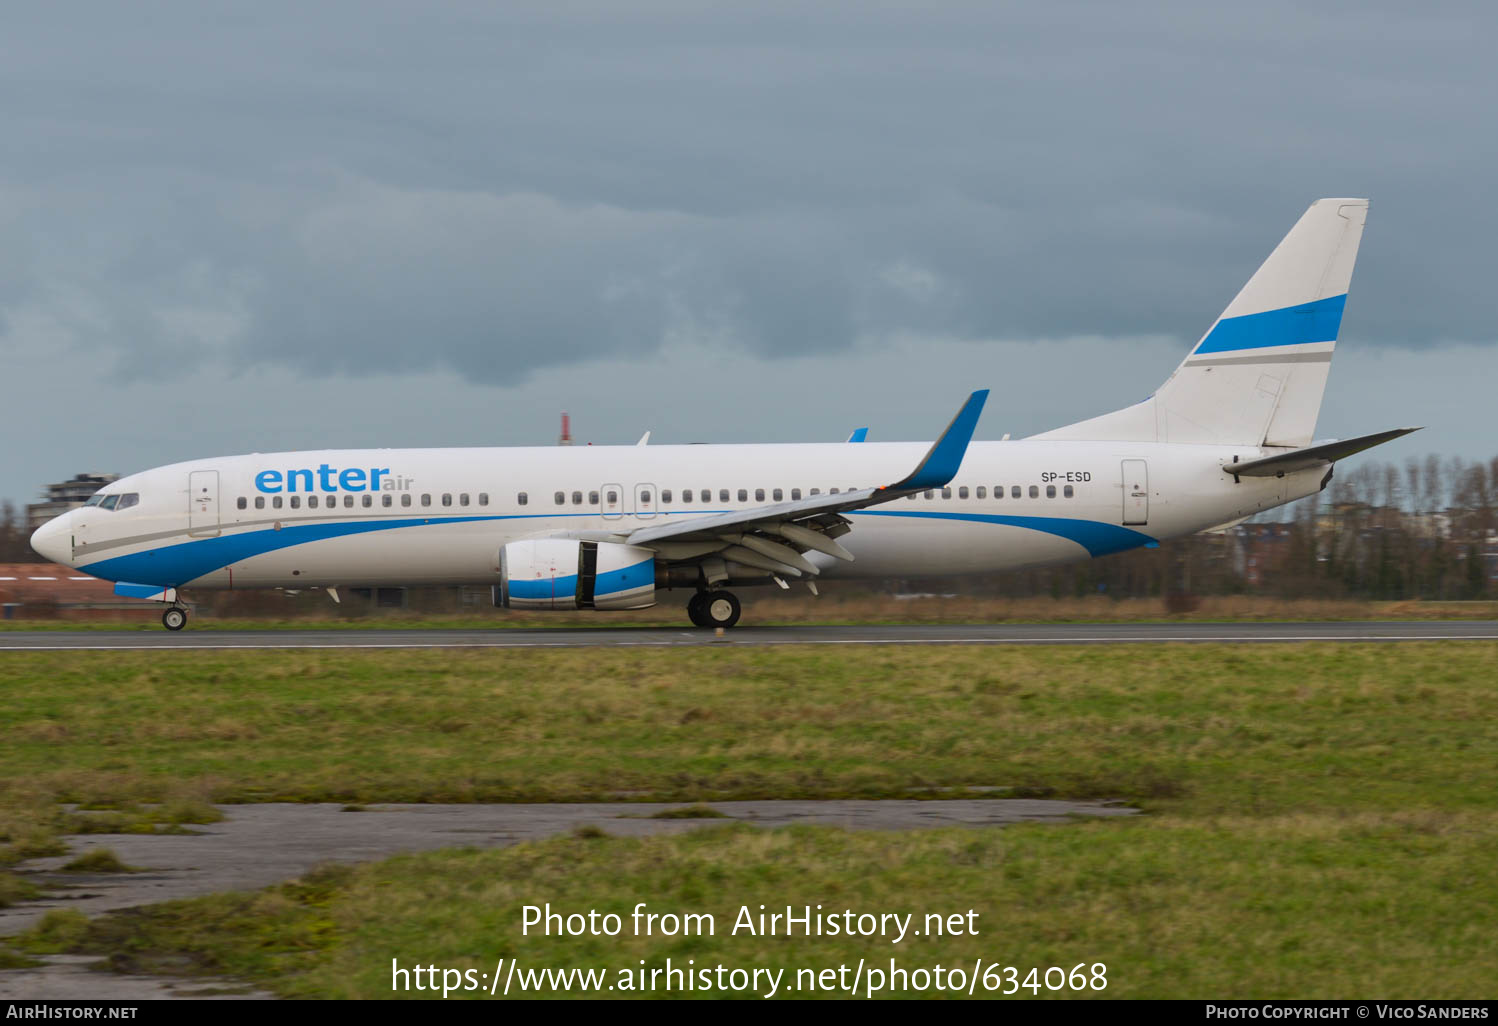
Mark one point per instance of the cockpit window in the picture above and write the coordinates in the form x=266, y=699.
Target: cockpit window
x=116, y=501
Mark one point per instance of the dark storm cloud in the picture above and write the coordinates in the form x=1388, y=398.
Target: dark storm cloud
x=498, y=188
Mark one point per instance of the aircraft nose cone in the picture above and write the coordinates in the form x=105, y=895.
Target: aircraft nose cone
x=51, y=540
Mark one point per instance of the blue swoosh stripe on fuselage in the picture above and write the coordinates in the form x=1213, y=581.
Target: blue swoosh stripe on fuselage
x=175, y=565
x=1098, y=538
x=171, y=566
x=1317, y=321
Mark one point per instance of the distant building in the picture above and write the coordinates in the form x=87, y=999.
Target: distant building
x=65, y=495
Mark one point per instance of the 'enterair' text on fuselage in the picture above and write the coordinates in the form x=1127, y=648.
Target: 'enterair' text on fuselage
x=330, y=479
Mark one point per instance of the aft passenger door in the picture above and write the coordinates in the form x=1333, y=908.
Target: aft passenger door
x=1136, y=492
x=202, y=504
x=644, y=501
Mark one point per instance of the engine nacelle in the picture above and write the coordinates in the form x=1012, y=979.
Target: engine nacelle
x=563, y=573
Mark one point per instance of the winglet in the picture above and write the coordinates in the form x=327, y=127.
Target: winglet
x=859, y=434
x=940, y=463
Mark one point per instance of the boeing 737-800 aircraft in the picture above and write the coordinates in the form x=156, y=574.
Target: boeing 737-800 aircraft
x=609, y=527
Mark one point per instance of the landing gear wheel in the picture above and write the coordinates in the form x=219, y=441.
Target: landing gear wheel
x=174, y=619
x=694, y=610
x=720, y=609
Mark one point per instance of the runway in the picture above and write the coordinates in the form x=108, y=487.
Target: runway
x=156, y=639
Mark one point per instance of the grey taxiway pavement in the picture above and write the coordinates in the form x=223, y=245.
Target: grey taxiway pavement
x=156, y=639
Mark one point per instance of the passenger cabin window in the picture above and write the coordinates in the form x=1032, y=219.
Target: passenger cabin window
x=911, y=496
x=259, y=502
x=426, y=498
x=946, y=493
x=522, y=498
x=348, y=501
x=832, y=491
x=706, y=495
x=592, y=498
x=366, y=500
x=1067, y=492
x=311, y=502
x=1034, y=491
x=560, y=498
x=332, y=502
x=743, y=495
x=686, y=495
x=386, y=500
x=665, y=495
x=296, y=502
x=722, y=494
x=795, y=494
x=777, y=495
x=483, y=498
x=577, y=498
x=447, y=498
x=276, y=502
x=645, y=497
x=613, y=497
x=242, y=503
x=962, y=492
x=929, y=494
x=982, y=492
x=1014, y=492
x=759, y=495
x=406, y=499
x=462, y=498
x=1050, y=491
x=815, y=491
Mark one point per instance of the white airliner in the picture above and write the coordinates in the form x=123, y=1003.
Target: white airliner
x=608, y=527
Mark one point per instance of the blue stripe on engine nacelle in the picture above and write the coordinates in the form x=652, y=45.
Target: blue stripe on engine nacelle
x=1317, y=321
x=543, y=588
x=626, y=578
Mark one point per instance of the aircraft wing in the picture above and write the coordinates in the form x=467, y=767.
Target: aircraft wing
x=773, y=537
x=1312, y=455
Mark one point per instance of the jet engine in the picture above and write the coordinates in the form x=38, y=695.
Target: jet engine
x=564, y=573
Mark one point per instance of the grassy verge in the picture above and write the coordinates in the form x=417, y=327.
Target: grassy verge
x=1321, y=821
x=765, y=609
x=1287, y=905
x=1208, y=728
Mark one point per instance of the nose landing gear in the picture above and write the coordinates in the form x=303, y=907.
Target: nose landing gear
x=714, y=609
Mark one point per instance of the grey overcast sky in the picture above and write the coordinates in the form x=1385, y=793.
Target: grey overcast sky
x=235, y=227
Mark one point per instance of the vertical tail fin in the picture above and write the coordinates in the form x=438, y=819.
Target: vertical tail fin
x=1257, y=377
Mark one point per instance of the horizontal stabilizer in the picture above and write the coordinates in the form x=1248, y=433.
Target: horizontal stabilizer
x=1312, y=456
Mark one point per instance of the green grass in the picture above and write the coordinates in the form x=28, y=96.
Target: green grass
x=100, y=860
x=1233, y=906
x=1321, y=818
x=1206, y=728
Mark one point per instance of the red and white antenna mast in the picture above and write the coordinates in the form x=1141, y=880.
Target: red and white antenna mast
x=566, y=438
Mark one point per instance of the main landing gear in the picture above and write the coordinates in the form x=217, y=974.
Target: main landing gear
x=714, y=609
x=174, y=619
